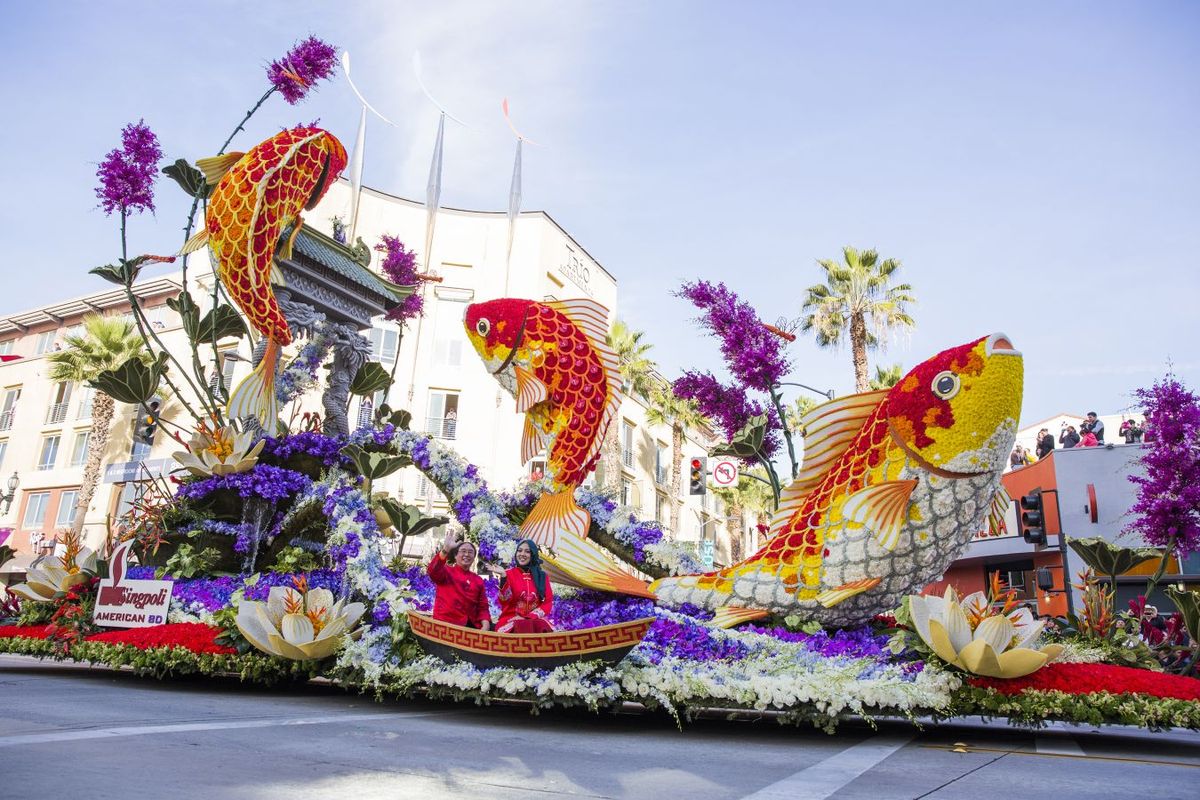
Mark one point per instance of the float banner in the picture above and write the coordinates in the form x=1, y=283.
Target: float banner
x=124, y=603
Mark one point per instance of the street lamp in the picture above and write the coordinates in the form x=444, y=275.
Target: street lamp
x=7, y=499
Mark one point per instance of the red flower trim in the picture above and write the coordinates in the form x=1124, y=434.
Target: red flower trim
x=26, y=631
x=194, y=636
x=1088, y=678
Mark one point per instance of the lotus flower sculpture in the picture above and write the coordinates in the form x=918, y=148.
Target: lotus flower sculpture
x=50, y=575
x=969, y=635
x=298, y=623
x=220, y=451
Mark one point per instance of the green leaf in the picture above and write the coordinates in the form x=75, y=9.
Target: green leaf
x=408, y=520
x=188, y=311
x=385, y=415
x=370, y=378
x=190, y=179
x=133, y=382
x=126, y=271
x=1188, y=604
x=222, y=322
x=1106, y=558
x=747, y=443
x=374, y=465
x=6, y=554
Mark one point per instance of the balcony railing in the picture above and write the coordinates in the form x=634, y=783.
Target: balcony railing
x=441, y=427
x=56, y=413
x=6, y=420
x=660, y=476
x=627, y=457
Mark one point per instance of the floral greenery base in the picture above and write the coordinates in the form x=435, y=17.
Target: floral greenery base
x=1034, y=708
x=166, y=662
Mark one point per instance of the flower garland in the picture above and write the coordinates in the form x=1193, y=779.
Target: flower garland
x=264, y=480
x=1091, y=678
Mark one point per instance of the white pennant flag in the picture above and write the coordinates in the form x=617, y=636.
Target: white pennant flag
x=433, y=191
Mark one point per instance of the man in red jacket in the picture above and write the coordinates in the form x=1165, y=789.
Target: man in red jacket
x=461, y=598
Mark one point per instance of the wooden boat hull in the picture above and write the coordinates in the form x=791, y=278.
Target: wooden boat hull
x=450, y=643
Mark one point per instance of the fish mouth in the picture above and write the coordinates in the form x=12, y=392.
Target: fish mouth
x=998, y=344
x=941, y=472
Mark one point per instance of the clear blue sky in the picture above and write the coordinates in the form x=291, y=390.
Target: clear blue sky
x=1034, y=165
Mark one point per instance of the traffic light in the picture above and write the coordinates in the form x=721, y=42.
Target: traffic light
x=1033, y=518
x=697, y=477
x=147, y=424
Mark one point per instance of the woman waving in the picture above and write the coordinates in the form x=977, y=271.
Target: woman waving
x=525, y=596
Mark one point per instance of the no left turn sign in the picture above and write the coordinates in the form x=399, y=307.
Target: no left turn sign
x=725, y=472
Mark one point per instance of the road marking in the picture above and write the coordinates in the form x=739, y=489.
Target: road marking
x=828, y=776
x=1057, y=746
x=146, y=730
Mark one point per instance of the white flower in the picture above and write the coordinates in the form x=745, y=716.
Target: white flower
x=299, y=625
x=219, y=451
x=50, y=575
x=967, y=635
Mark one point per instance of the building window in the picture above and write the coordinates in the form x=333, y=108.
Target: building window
x=35, y=510
x=9, y=409
x=66, y=509
x=59, y=401
x=442, y=421
x=661, y=462
x=155, y=317
x=537, y=469
x=627, y=443
x=45, y=342
x=626, y=492
x=449, y=337
x=87, y=397
x=660, y=509
x=383, y=345
x=3, y=450
x=6, y=347
x=222, y=379
x=80, y=448
x=49, y=453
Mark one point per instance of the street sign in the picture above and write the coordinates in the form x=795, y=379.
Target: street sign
x=725, y=473
x=706, y=553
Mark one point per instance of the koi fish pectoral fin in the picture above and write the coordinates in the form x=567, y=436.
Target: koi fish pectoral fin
x=831, y=598
x=882, y=509
x=255, y=395
x=532, y=440
x=197, y=241
x=215, y=168
x=578, y=562
x=285, y=251
x=729, y=616
x=530, y=390
x=554, y=514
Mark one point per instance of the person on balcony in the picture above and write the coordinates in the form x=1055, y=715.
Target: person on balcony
x=525, y=595
x=460, y=598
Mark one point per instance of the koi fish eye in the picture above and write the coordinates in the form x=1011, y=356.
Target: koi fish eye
x=946, y=384
x=482, y=327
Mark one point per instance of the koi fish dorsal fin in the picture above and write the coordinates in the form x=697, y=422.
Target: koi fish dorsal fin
x=530, y=390
x=828, y=431
x=195, y=242
x=215, y=168
x=881, y=509
x=997, y=511
x=592, y=319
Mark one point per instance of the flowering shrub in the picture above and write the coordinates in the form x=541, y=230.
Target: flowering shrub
x=400, y=266
x=127, y=173
x=265, y=481
x=309, y=61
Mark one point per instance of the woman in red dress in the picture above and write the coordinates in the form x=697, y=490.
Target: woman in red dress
x=525, y=595
x=460, y=598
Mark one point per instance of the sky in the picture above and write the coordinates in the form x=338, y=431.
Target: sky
x=1032, y=165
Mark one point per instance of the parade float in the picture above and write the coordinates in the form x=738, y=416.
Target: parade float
x=268, y=537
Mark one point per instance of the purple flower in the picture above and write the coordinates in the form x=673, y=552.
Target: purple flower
x=264, y=480
x=309, y=61
x=754, y=354
x=1167, y=509
x=127, y=173
x=730, y=408
x=326, y=449
x=400, y=267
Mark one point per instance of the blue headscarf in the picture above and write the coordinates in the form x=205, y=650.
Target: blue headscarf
x=535, y=568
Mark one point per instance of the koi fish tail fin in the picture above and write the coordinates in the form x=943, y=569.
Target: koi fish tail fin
x=552, y=515
x=580, y=562
x=255, y=395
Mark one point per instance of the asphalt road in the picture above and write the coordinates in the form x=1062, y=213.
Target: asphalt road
x=70, y=731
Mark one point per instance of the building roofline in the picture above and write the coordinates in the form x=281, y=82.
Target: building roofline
x=479, y=212
x=22, y=321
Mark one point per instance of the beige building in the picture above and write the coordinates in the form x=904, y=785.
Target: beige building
x=439, y=379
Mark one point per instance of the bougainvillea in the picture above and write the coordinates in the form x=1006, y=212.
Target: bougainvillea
x=128, y=172
x=753, y=353
x=309, y=61
x=400, y=266
x=1167, y=510
x=729, y=407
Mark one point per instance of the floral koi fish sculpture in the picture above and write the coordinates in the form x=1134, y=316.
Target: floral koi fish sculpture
x=50, y=575
x=895, y=483
x=968, y=635
x=298, y=623
x=257, y=195
x=553, y=358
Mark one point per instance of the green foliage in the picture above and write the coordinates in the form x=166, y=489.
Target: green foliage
x=384, y=415
x=190, y=179
x=374, y=465
x=748, y=442
x=221, y=322
x=370, y=378
x=1035, y=708
x=133, y=382
x=126, y=270
x=1109, y=559
x=226, y=620
x=295, y=559
x=186, y=562
x=35, y=613
x=886, y=377
x=107, y=343
x=1188, y=604
x=6, y=554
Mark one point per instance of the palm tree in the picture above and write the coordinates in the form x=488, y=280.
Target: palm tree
x=887, y=377
x=667, y=409
x=106, y=343
x=748, y=496
x=857, y=297
x=636, y=370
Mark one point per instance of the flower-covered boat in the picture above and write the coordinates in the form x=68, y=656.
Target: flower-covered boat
x=608, y=643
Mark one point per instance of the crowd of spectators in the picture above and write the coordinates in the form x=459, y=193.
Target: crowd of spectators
x=1090, y=433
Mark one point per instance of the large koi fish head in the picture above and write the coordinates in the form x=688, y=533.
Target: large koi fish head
x=957, y=412
x=496, y=329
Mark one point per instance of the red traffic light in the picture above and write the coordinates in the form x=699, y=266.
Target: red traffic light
x=695, y=463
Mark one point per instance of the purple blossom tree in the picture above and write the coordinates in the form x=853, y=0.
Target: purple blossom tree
x=127, y=173
x=1167, y=511
x=309, y=61
x=400, y=267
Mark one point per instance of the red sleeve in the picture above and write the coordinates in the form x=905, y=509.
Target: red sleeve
x=437, y=570
x=547, y=604
x=482, y=612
